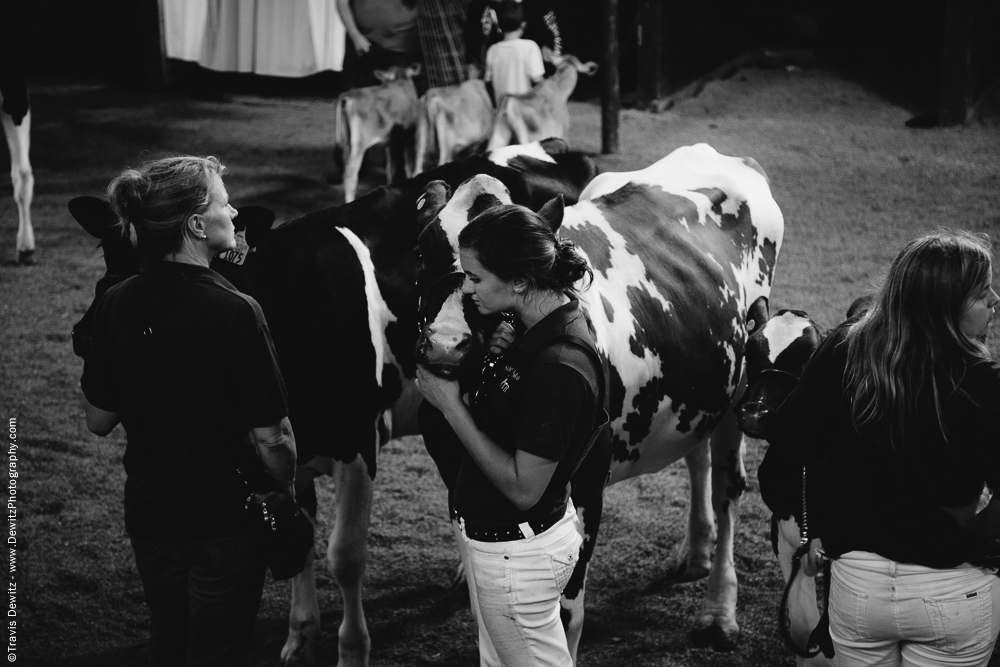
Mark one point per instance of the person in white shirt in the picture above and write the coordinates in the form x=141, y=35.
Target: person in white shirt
x=514, y=65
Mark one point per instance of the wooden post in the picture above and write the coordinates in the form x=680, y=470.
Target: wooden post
x=153, y=45
x=650, y=41
x=610, y=95
x=956, y=81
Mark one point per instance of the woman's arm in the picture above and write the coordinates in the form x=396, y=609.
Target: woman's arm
x=522, y=478
x=276, y=446
x=100, y=422
x=361, y=43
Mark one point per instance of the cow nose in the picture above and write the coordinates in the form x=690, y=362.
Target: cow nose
x=445, y=345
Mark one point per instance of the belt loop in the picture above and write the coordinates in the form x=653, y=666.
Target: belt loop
x=526, y=530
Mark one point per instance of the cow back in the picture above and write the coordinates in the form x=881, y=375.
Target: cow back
x=677, y=259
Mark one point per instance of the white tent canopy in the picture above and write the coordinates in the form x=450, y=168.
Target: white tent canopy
x=291, y=38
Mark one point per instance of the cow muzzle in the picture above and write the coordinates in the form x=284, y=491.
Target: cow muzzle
x=444, y=353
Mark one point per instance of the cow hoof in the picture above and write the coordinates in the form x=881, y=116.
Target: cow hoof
x=299, y=651
x=684, y=571
x=25, y=258
x=355, y=654
x=716, y=638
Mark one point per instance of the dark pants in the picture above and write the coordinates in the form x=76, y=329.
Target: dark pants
x=202, y=597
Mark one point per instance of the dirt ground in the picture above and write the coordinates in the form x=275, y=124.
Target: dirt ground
x=853, y=182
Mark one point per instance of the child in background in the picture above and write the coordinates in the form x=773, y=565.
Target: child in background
x=514, y=65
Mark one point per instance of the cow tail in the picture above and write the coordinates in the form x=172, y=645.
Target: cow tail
x=819, y=638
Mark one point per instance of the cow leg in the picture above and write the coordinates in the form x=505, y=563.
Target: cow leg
x=717, y=627
x=693, y=558
x=587, y=490
x=23, y=180
x=502, y=133
x=303, y=617
x=347, y=555
x=360, y=143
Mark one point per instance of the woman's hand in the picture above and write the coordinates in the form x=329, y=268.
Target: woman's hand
x=442, y=394
x=501, y=338
x=814, y=561
x=361, y=44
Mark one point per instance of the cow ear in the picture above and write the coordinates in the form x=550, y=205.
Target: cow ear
x=588, y=69
x=552, y=212
x=860, y=306
x=413, y=70
x=555, y=146
x=430, y=202
x=257, y=220
x=757, y=315
x=93, y=214
x=385, y=75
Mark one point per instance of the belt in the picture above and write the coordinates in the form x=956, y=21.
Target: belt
x=505, y=533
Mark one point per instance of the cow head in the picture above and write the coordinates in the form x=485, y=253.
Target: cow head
x=776, y=355
x=451, y=332
x=122, y=260
x=452, y=329
x=568, y=61
x=396, y=73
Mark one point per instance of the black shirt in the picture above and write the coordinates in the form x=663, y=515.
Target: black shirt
x=188, y=364
x=548, y=409
x=864, y=495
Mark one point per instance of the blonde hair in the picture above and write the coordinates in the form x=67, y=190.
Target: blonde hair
x=154, y=201
x=907, y=355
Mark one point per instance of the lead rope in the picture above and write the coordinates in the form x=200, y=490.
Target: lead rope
x=822, y=590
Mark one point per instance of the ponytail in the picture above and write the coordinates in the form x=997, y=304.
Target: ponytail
x=155, y=201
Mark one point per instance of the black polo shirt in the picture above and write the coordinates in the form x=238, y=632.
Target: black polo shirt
x=188, y=364
x=549, y=410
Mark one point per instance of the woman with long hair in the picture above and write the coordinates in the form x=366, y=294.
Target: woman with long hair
x=898, y=412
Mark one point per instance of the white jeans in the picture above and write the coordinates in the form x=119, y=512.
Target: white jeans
x=517, y=587
x=888, y=613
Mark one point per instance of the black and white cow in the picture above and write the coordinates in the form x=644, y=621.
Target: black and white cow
x=338, y=289
x=683, y=255
x=15, y=116
x=776, y=356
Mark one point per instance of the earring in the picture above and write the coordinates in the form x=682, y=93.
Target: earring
x=202, y=237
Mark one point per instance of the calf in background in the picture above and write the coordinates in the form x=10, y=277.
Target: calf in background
x=542, y=112
x=453, y=120
x=384, y=114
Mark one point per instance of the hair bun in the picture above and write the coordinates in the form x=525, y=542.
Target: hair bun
x=570, y=266
x=126, y=193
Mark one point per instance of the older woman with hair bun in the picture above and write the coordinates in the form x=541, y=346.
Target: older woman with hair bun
x=186, y=364
x=897, y=413
x=527, y=430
